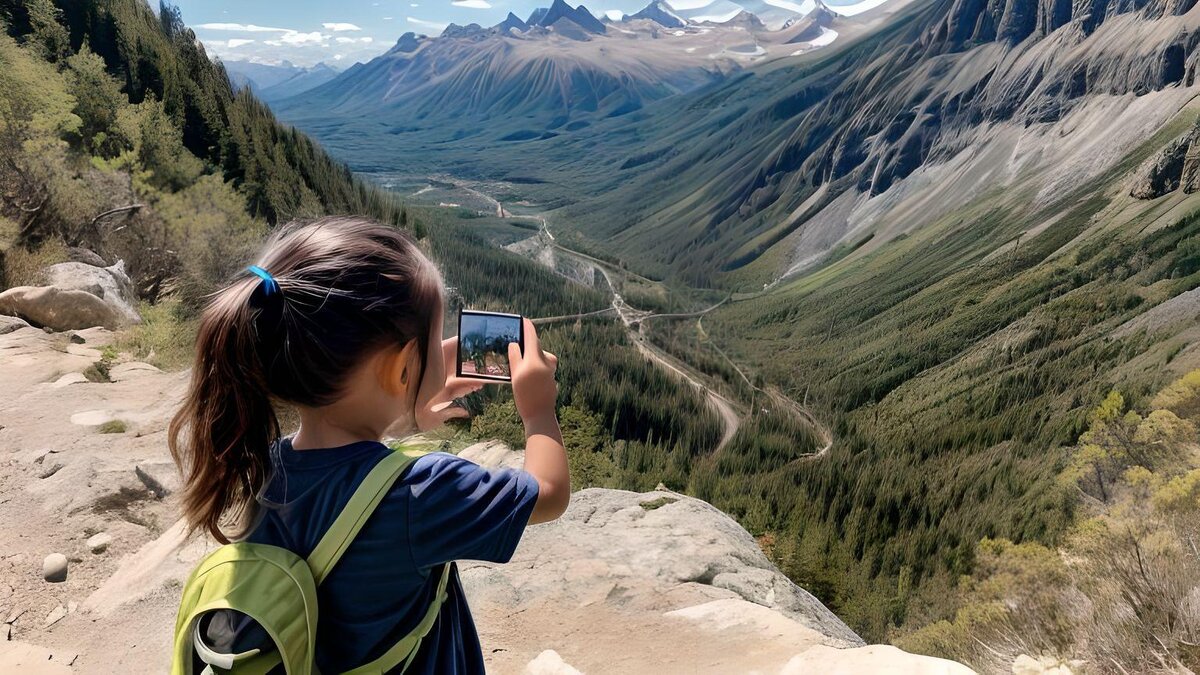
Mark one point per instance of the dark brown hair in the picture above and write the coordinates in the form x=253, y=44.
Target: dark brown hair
x=346, y=288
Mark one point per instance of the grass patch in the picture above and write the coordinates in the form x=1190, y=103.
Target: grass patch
x=657, y=503
x=165, y=338
x=113, y=427
x=100, y=371
x=23, y=267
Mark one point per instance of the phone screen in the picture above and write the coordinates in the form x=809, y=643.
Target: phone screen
x=483, y=339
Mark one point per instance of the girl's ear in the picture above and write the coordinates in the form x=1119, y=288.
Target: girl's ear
x=397, y=369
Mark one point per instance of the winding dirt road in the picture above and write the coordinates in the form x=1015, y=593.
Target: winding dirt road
x=633, y=317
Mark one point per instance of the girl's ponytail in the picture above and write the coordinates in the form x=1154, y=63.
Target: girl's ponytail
x=219, y=437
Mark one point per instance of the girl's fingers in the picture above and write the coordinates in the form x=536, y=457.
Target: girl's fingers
x=460, y=386
x=514, y=357
x=532, y=344
x=550, y=358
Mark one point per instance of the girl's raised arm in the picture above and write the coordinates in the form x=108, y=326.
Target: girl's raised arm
x=536, y=392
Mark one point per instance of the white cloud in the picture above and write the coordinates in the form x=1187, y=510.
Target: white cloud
x=614, y=14
x=244, y=28
x=272, y=44
x=414, y=5
x=388, y=18
x=426, y=24
x=314, y=37
x=472, y=4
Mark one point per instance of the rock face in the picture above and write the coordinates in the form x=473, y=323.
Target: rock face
x=110, y=284
x=1174, y=167
x=78, y=296
x=657, y=582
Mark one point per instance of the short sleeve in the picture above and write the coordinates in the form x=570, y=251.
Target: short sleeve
x=459, y=510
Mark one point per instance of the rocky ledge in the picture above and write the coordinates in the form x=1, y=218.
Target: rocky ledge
x=628, y=583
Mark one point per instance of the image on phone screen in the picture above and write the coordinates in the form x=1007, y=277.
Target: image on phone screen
x=483, y=339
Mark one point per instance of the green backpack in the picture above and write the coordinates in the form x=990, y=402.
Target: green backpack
x=278, y=589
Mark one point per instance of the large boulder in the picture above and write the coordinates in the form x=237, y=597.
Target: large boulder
x=77, y=295
x=60, y=310
x=110, y=284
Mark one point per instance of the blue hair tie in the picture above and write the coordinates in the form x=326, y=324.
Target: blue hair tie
x=272, y=285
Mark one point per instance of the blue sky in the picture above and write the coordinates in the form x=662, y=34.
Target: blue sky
x=341, y=32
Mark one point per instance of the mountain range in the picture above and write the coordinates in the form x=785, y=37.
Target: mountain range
x=276, y=82
x=558, y=71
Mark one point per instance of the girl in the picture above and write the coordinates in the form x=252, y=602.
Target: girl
x=342, y=320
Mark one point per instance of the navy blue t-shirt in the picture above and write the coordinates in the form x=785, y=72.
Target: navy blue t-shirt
x=441, y=509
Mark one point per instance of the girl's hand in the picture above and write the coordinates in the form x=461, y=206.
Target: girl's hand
x=443, y=408
x=534, y=388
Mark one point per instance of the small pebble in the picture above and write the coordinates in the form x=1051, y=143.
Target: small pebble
x=54, y=567
x=49, y=469
x=98, y=543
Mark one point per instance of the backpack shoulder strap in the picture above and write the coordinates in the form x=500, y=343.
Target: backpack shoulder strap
x=403, y=652
x=356, y=512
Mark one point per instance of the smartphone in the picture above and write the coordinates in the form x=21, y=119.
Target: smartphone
x=483, y=339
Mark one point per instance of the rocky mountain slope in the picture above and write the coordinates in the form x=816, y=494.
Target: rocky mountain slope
x=625, y=582
x=943, y=83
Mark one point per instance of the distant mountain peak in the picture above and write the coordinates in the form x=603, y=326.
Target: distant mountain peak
x=456, y=31
x=745, y=19
x=661, y=13
x=407, y=43
x=561, y=10
x=511, y=22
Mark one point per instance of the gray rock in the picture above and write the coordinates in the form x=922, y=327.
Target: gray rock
x=15, y=614
x=59, y=310
x=49, y=469
x=69, y=379
x=110, y=284
x=158, y=477
x=98, y=543
x=131, y=370
x=1189, y=180
x=10, y=323
x=1161, y=173
x=550, y=663
x=83, y=255
x=54, y=567
x=55, y=616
